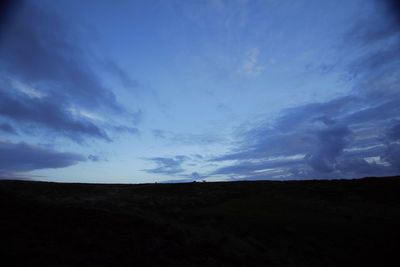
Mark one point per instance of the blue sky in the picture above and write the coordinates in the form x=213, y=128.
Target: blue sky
x=146, y=91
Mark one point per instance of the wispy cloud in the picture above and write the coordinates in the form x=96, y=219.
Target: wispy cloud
x=188, y=138
x=250, y=65
x=121, y=74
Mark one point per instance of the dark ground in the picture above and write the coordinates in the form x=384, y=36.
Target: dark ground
x=307, y=223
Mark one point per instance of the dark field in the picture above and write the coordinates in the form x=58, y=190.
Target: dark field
x=307, y=223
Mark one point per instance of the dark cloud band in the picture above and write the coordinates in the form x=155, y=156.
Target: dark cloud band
x=22, y=157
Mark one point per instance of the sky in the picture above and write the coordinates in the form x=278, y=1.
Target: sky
x=145, y=91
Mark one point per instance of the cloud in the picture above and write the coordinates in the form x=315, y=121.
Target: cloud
x=47, y=80
x=322, y=68
x=393, y=133
x=121, y=74
x=187, y=139
x=250, y=66
x=39, y=47
x=392, y=151
x=125, y=129
x=349, y=136
x=317, y=140
x=174, y=166
x=330, y=144
x=94, y=158
x=167, y=166
x=251, y=167
x=23, y=157
x=158, y=133
x=392, y=156
x=7, y=128
x=46, y=112
x=294, y=132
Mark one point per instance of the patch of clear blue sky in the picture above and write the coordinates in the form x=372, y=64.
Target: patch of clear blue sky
x=204, y=68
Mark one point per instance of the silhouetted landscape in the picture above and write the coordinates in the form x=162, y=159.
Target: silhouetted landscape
x=260, y=223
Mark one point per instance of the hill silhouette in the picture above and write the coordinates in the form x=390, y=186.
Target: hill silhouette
x=262, y=223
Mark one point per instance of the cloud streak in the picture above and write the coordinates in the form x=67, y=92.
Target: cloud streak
x=8, y=129
x=48, y=113
x=167, y=165
x=187, y=139
x=22, y=157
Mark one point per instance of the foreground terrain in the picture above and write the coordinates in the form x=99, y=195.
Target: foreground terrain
x=304, y=223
